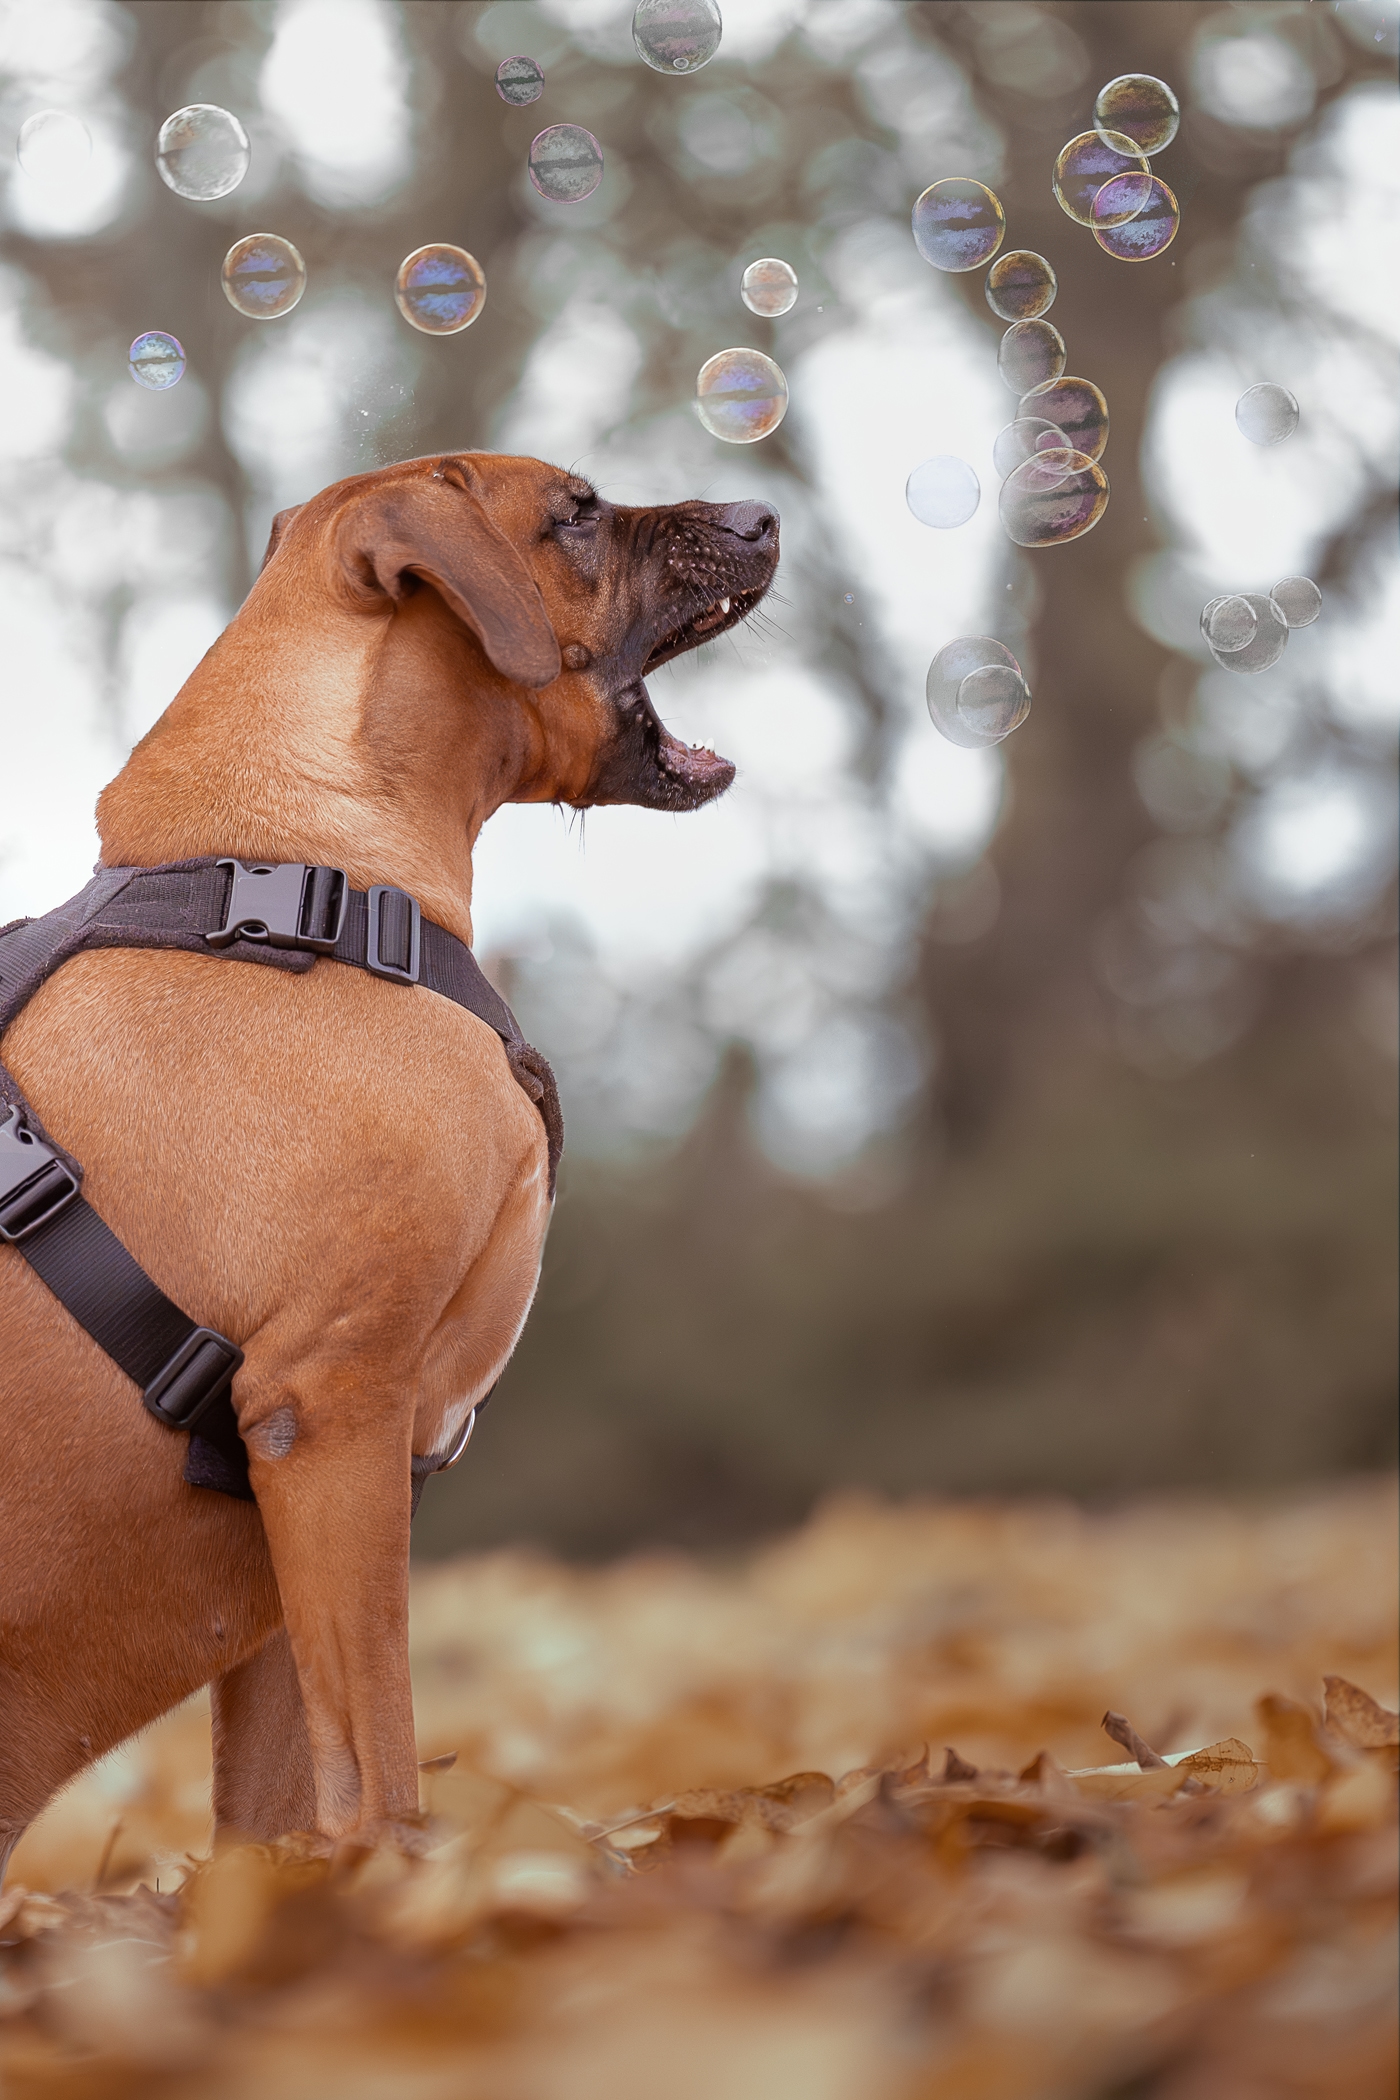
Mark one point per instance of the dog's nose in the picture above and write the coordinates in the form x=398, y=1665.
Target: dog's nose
x=755, y=522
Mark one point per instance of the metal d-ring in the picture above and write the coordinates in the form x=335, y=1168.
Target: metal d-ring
x=460, y=1446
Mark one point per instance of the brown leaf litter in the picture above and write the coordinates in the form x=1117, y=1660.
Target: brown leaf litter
x=835, y=1824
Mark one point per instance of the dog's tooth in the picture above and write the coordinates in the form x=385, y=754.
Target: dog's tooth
x=724, y=605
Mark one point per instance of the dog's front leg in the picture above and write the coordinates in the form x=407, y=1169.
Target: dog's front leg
x=264, y=1783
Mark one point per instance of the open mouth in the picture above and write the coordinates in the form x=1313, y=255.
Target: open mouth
x=713, y=619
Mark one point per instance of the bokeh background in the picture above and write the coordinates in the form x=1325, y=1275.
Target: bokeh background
x=938, y=1120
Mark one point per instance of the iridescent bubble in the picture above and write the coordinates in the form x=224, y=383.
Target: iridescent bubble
x=566, y=163
x=1228, y=624
x=677, y=36
x=1267, y=414
x=202, y=152
x=1146, y=231
x=1266, y=645
x=958, y=224
x=1086, y=164
x=51, y=144
x=1297, y=601
x=1074, y=406
x=1021, y=440
x=1057, y=496
x=519, y=80
x=264, y=276
x=976, y=692
x=741, y=396
x=1140, y=108
x=156, y=361
x=440, y=289
x=943, y=492
x=1021, y=286
x=1032, y=353
x=769, y=287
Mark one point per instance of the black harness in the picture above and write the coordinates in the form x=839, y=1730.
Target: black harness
x=285, y=916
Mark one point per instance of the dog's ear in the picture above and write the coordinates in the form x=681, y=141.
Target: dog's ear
x=274, y=539
x=437, y=528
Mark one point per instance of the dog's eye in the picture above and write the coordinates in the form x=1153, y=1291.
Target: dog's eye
x=583, y=521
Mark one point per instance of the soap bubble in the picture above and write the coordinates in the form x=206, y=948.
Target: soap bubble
x=202, y=152
x=976, y=692
x=1267, y=414
x=440, y=289
x=51, y=144
x=1297, y=601
x=519, y=80
x=1229, y=624
x=677, y=36
x=1032, y=353
x=1265, y=646
x=1139, y=108
x=1150, y=228
x=263, y=276
x=1022, y=439
x=1086, y=164
x=1057, y=496
x=1021, y=286
x=958, y=224
x=156, y=361
x=943, y=492
x=741, y=396
x=566, y=163
x=769, y=287
x=1074, y=406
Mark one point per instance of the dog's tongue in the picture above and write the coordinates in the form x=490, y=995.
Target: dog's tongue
x=699, y=770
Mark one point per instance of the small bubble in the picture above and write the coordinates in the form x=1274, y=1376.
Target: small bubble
x=1266, y=414
x=1076, y=407
x=1297, y=601
x=1021, y=286
x=676, y=36
x=263, y=276
x=519, y=80
x=1138, y=107
x=958, y=224
x=156, y=361
x=1031, y=354
x=741, y=396
x=1228, y=624
x=976, y=692
x=1057, y=496
x=566, y=163
x=440, y=289
x=1148, y=229
x=769, y=287
x=1086, y=164
x=51, y=144
x=1021, y=440
x=202, y=152
x=1264, y=647
x=943, y=492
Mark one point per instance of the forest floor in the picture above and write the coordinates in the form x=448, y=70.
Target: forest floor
x=839, y=1821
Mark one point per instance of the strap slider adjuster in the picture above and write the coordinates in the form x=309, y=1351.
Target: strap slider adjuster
x=393, y=935
x=287, y=904
x=34, y=1183
x=201, y=1368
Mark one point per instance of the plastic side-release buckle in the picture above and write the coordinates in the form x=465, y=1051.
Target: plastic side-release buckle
x=393, y=935
x=201, y=1368
x=287, y=904
x=34, y=1183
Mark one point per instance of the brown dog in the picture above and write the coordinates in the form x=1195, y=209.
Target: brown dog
x=340, y=1174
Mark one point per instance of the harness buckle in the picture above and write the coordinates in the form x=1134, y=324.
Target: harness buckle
x=34, y=1183
x=286, y=904
x=193, y=1379
x=393, y=936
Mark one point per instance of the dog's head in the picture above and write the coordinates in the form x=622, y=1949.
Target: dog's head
x=519, y=578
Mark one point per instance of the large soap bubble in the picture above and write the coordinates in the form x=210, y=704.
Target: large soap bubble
x=263, y=276
x=943, y=492
x=958, y=224
x=156, y=360
x=202, y=152
x=769, y=287
x=1228, y=624
x=1297, y=601
x=741, y=396
x=440, y=289
x=519, y=80
x=1138, y=107
x=1264, y=647
x=976, y=692
x=51, y=144
x=1145, y=231
x=566, y=163
x=1031, y=353
x=1267, y=414
x=1022, y=439
x=1055, y=497
x=1021, y=286
x=1074, y=406
x=677, y=36
x=1086, y=164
